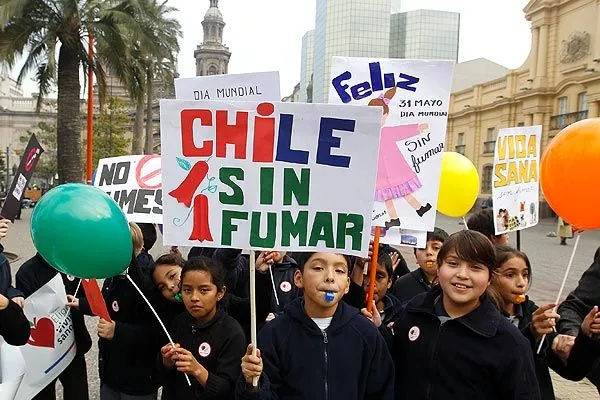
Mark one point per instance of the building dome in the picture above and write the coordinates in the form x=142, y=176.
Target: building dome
x=212, y=56
x=213, y=13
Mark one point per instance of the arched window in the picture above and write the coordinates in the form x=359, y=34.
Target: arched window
x=212, y=70
x=213, y=32
x=486, y=178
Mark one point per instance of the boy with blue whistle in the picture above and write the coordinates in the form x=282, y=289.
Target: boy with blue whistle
x=320, y=347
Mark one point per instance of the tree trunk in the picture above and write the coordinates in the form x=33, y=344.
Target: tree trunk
x=68, y=117
x=137, y=144
x=149, y=115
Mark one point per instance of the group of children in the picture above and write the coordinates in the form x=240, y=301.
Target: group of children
x=459, y=326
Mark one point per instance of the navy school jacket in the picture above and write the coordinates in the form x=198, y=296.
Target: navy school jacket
x=349, y=360
x=127, y=363
x=283, y=277
x=6, y=287
x=478, y=356
x=578, y=303
x=410, y=285
x=218, y=345
x=356, y=297
x=14, y=327
x=581, y=359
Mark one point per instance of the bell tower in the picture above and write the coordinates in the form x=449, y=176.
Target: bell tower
x=212, y=56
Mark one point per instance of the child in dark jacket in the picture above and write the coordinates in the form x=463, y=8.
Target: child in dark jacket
x=282, y=269
x=166, y=279
x=319, y=348
x=423, y=278
x=128, y=344
x=510, y=284
x=209, y=343
x=452, y=342
x=6, y=288
x=387, y=304
x=14, y=327
x=32, y=275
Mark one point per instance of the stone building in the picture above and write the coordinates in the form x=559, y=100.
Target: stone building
x=558, y=84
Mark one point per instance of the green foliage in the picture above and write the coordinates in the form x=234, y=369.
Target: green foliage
x=43, y=36
x=46, y=167
x=110, y=131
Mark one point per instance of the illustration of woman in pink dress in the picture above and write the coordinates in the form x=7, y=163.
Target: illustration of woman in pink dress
x=395, y=178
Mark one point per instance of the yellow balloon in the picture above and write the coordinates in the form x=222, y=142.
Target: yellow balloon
x=459, y=185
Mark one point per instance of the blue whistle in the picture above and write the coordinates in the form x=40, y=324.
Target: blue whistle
x=329, y=297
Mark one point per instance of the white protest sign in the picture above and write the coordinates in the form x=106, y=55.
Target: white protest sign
x=135, y=183
x=266, y=176
x=414, y=96
x=255, y=86
x=12, y=370
x=515, y=184
x=51, y=346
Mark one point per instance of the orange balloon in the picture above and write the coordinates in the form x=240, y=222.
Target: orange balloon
x=569, y=173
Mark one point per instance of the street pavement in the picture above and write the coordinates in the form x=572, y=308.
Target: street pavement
x=548, y=258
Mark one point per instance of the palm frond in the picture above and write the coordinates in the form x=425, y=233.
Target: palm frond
x=12, y=10
x=14, y=39
x=45, y=78
x=38, y=53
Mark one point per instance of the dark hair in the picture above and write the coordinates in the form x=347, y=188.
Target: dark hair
x=438, y=234
x=149, y=234
x=385, y=260
x=168, y=259
x=505, y=253
x=201, y=251
x=470, y=246
x=483, y=222
x=206, y=264
x=301, y=257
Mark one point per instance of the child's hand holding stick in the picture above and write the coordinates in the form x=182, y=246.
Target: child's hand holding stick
x=252, y=366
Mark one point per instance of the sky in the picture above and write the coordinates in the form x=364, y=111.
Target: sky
x=266, y=35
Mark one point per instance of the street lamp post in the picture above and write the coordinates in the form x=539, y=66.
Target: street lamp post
x=7, y=171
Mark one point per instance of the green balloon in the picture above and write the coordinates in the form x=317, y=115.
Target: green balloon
x=81, y=231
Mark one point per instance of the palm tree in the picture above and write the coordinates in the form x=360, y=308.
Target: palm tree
x=165, y=71
x=151, y=61
x=38, y=28
x=163, y=66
